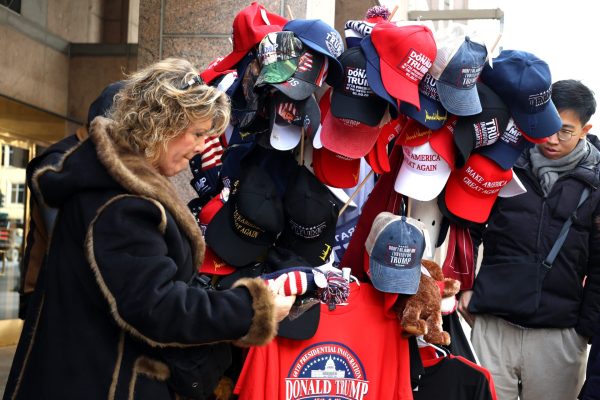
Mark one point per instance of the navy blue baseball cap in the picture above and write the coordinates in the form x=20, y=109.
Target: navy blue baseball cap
x=323, y=38
x=509, y=147
x=231, y=159
x=524, y=82
x=395, y=246
x=432, y=114
x=483, y=129
x=374, y=75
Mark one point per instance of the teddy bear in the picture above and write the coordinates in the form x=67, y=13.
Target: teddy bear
x=421, y=313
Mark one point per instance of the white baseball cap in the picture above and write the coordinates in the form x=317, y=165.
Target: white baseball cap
x=423, y=173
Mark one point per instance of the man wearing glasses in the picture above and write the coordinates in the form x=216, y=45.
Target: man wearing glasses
x=543, y=355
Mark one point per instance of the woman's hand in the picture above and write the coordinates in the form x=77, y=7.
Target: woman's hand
x=463, y=307
x=283, y=304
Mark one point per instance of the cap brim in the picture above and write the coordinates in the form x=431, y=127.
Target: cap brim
x=374, y=73
x=212, y=265
x=390, y=280
x=277, y=72
x=230, y=60
x=504, y=154
x=285, y=137
x=303, y=327
x=462, y=102
x=377, y=158
x=539, y=125
x=442, y=142
x=230, y=247
x=398, y=86
x=296, y=89
x=432, y=114
x=513, y=188
x=353, y=142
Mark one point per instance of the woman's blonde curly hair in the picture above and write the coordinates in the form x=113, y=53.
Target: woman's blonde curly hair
x=156, y=104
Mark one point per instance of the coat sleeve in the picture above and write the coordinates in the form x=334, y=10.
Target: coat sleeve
x=589, y=315
x=134, y=268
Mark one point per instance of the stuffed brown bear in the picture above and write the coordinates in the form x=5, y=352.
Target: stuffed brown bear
x=421, y=314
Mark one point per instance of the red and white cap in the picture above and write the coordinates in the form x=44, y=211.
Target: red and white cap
x=472, y=190
x=406, y=53
x=423, y=173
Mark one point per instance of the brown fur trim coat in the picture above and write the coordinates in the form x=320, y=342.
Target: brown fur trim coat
x=117, y=292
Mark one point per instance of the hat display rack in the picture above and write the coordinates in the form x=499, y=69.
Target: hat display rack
x=311, y=109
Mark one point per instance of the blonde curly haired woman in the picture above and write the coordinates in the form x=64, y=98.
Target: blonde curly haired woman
x=116, y=306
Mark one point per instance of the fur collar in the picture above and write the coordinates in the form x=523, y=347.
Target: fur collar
x=137, y=176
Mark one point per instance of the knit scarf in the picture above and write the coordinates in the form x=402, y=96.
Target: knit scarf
x=548, y=171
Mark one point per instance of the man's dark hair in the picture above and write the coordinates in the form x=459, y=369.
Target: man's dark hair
x=570, y=94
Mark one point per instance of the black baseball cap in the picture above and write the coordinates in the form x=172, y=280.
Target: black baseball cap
x=310, y=218
x=303, y=326
x=354, y=98
x=288, y=117
x=250, y=221
x=310, y=75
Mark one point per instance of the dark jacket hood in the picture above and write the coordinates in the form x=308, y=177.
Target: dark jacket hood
x=98, y=164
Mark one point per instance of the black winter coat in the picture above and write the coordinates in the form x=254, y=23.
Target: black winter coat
x=529, y=224
x=116, y=295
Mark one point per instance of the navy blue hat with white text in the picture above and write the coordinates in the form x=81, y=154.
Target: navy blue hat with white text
x=507, y=149
x=524, y=82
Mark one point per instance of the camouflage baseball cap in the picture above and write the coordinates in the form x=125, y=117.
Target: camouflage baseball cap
x=278, y=54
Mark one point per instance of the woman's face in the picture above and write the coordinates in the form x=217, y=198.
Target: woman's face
x=182, y=148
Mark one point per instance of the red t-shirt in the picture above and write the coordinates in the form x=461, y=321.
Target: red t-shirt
x=357, y=353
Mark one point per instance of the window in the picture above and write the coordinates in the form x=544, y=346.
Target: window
x=17, y=157
x=14, y=5
x=17, y=193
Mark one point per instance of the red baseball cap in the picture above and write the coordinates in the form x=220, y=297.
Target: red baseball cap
x=212, y=264
x=348, y=137
x=413, y=133
x=378, y=157
x=250, y=26
x=472, y=190
x=209, y=74
x=335, y=169
x=442, y=141
x=406, y=53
